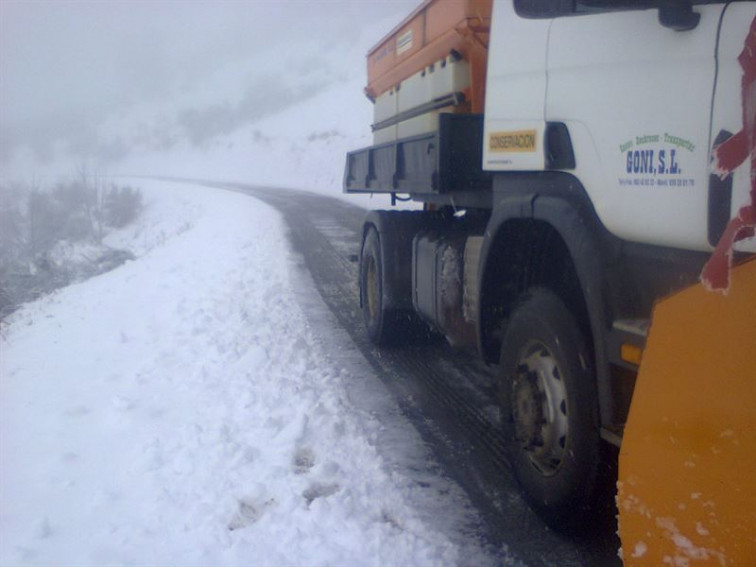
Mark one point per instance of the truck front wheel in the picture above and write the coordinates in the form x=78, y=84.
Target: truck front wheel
x=550, y=409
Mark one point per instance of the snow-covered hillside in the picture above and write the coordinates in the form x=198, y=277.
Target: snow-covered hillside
x=197, y=406
x=283, y=113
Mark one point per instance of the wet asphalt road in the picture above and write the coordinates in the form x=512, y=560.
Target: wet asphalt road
x=448, y=396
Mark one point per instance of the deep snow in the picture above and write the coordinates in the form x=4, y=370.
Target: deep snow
x=198, y=406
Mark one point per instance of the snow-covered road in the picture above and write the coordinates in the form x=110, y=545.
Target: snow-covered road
x=197, y=407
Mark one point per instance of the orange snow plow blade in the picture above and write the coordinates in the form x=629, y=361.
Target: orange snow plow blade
x=686, y=490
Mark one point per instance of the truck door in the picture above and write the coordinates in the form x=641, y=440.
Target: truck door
x=734, y=103
x=636, y=97
x=515, y=90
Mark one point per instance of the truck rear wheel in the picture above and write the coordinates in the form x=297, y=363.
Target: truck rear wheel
x=550, y=409
x=378, y=319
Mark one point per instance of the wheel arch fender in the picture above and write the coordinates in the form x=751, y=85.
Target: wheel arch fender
x=552, y=202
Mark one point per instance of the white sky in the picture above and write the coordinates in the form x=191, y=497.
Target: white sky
x=68, y=67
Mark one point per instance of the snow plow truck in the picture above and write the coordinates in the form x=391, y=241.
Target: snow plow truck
x=576, y=161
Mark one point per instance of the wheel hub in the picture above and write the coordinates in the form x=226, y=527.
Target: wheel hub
x=540, y=408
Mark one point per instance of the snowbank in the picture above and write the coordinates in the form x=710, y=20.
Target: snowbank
x=186, y=408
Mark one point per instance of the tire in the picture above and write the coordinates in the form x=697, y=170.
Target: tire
x=550, y=410
x=379, y=321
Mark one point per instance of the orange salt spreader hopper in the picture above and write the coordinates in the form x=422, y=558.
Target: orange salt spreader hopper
x=687, y=490
x=432, y=31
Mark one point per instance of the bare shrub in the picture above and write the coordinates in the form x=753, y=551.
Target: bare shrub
x=35, y=223
x=12, y=227
x=122, y=205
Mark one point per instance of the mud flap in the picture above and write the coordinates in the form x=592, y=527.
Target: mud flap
x=686, y=490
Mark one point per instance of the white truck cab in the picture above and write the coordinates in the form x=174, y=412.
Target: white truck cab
x=643, y=104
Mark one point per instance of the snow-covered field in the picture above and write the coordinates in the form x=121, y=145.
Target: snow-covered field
x=197, y=406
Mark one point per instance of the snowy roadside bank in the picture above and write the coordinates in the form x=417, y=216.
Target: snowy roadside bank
x=186, y=409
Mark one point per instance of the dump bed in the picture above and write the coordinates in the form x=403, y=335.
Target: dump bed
x=433, y=62
x=438, y=167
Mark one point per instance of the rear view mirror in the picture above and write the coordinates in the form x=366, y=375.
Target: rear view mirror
x=678, y=15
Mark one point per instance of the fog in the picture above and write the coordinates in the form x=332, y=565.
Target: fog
x=96, y=82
